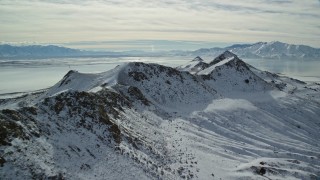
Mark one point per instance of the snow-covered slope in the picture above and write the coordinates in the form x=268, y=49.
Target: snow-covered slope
x=266, y=50
x=228, y=120
x=151, y=79
x=229, y=74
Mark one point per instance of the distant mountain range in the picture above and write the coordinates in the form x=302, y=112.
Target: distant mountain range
x=260, y=50
x=265, y=50
x=40, y=51
x=37, y=50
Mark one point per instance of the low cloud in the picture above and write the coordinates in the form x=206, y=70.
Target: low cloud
x=64, y=21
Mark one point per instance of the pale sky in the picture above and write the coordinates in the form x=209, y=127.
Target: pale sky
x=160, y=24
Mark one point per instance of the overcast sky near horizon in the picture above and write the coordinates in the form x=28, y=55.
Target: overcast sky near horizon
x=158, y=25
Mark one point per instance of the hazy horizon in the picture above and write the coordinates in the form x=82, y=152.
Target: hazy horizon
x=141, y=45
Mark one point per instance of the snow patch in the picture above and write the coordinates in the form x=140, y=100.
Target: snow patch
x=230, y=105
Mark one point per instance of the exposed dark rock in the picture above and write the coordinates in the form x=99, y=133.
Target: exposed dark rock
x=97, y=106
x=31, y=110
x=262, y=171
x=56, y=177
x=12, y=114
x=138, y=76
x=134, y=91
x=58, y=107
x=262, y=163
x=2, y=161
x=113, y=128
x=8, y=130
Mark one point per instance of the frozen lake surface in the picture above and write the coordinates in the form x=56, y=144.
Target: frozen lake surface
x=34, y=74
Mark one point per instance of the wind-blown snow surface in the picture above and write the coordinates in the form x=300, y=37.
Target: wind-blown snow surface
x=227, y=120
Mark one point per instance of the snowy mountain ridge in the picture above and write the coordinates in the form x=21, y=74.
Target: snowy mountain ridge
x=224, y=120
x=264, y=50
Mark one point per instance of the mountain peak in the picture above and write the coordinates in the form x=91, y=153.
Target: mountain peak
x=225, y=59
x=276, y=43
x=198, y=58
x=194, y=66
x=225, y=55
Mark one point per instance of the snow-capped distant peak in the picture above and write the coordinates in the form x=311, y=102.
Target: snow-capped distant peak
x=264, y=50
x=275, y=42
